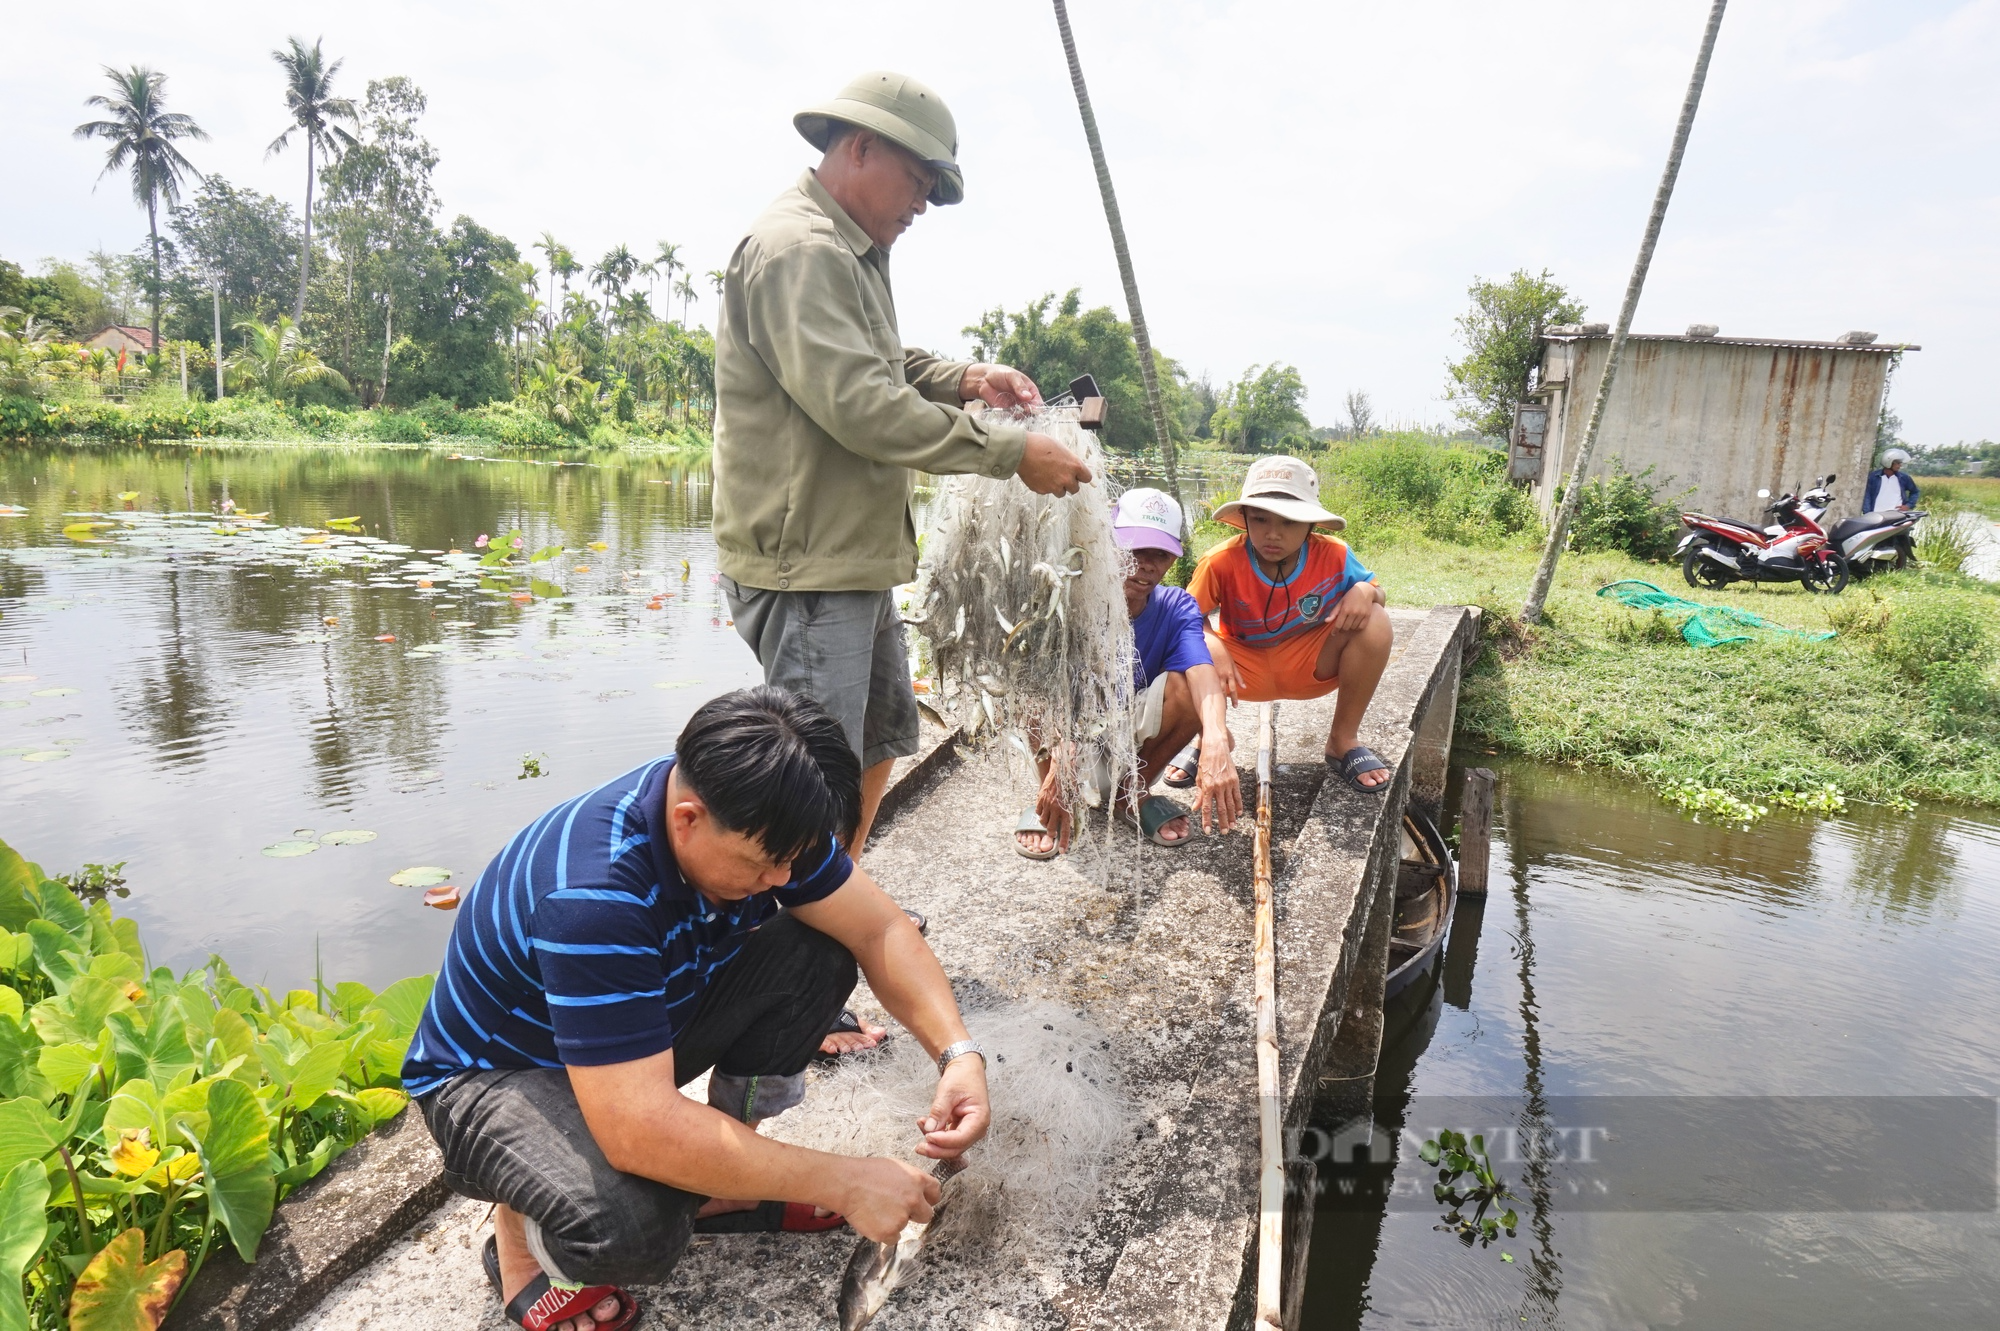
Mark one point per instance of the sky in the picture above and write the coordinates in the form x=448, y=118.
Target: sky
x=1307, y=183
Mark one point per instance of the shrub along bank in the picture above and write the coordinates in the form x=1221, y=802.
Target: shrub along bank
x=1904, y=703
x=170, y=416
x=148, y=1115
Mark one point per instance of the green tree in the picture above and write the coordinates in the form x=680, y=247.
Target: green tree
x=557, y=255
x=467, y=293
x=234, y=253
x=379, y=193
x=685, y=290
x=613, y=273
x=313, y=107
x=1502, y=333
x=141, y=133
x=667, y=262
x=1264, y=411
x=1053, y=351
x=276, y=359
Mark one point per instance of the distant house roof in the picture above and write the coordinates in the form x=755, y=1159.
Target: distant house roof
x=139, y=337
x=1602, y=332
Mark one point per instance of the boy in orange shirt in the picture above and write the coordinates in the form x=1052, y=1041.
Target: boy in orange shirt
x=1299, y=616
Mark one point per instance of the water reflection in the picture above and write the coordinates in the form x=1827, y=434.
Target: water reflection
x=188, y=684
x=1627, y=950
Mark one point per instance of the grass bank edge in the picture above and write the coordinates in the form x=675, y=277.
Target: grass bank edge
x=141, y=1112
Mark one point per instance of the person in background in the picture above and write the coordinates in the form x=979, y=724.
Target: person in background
x=1889, y=487
x=1297, y=615
x=1179, y=698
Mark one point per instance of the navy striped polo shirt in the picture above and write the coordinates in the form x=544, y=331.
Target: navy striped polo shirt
x=582, y=944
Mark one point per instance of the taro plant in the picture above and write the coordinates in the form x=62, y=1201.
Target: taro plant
x=1460, y=1159
x=144, y=1115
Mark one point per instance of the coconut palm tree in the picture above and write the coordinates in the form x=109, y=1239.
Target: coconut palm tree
x=276, y=359
x=314, y=109
x=668, y=262
x=613, y=273
x=557, y=254
x=141, y=132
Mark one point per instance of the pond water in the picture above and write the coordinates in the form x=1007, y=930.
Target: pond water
x=183, y=690
x=1629, y=951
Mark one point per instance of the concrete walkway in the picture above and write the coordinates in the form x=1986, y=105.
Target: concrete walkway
x=1150, y=949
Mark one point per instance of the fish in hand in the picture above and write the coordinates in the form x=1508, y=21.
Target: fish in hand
x=877, y=1269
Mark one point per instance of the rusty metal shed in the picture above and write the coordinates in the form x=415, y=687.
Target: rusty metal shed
x=1725, y=415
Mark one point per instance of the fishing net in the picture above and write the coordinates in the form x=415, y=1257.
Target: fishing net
x=1022, y=606
x=1704, y=625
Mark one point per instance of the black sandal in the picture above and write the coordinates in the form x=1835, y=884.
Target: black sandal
x=1356, y=763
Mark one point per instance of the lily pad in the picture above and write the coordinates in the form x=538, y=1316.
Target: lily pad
x=62, y=692
x=421, y=875
x=45, y=755
x=16, y=679
x=14, y=702
x=676, y=683
x=352, y=836
x=285, y=850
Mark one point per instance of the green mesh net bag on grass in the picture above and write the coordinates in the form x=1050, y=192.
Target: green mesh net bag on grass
x=1703, y=625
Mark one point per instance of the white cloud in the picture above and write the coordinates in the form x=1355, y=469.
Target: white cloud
x=1310, y=183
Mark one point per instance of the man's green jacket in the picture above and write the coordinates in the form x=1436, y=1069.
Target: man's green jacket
x=823, y=417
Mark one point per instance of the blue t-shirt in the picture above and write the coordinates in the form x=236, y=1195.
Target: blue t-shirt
x=1167, y=635
x=582, y=944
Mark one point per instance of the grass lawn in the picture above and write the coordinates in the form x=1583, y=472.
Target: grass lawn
x=1901, y=705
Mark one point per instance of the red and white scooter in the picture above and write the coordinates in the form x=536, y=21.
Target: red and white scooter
x=1794, y=548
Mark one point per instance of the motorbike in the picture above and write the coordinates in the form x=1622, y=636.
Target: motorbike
x=1877, y=542
x=1794, y=547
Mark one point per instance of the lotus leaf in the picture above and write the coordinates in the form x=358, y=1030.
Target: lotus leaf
x=347, y=837
x=121, y=1291
x=422, y=875
x=284, y=850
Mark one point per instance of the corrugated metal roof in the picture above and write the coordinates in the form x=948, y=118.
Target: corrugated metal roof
x=1737, y=341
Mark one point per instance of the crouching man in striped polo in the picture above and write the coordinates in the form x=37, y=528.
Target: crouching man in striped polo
x=629, y=940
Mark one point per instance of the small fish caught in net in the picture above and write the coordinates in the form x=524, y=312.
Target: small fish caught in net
x=1703, y=625
x=1023, y=608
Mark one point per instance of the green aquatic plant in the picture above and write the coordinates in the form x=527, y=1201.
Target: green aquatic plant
x=144, y=1114
x=531, y=766
x=1699, y=799
x=97, y=882
x=1457, y=1158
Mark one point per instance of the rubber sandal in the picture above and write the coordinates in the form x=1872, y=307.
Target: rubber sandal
x=1188, y=760
x=1031, y=823
x=847, y=1024
x=1155, y=813
x=770, y=1218
x=1356, y=763
x=541, y=1305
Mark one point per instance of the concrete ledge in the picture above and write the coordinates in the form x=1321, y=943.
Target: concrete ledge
x=323, y=1233
x=1150, y=947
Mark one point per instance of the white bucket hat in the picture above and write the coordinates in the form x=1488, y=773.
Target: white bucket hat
x=1147, y=519
x=1285, y=486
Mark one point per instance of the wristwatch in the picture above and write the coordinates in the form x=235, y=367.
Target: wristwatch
x=959, y=1050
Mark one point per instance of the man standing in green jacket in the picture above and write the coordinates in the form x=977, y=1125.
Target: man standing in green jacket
x=824, y=417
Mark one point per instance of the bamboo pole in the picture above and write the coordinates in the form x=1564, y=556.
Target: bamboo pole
x=1147, y=371
x=1271, y=1177
x=1573, y=492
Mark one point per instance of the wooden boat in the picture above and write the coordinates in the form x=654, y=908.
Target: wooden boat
x=1426, y=892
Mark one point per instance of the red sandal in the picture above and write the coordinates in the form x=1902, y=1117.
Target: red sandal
x=541, y=1305
x=770, y=1218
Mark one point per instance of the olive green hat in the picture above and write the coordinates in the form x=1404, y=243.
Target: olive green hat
x=902, y=111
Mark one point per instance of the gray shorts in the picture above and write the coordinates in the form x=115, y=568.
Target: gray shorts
x=845, y=651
